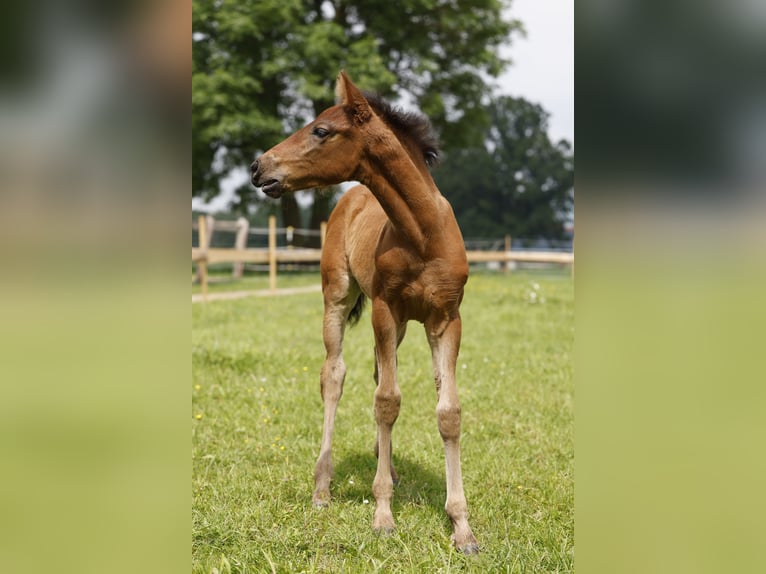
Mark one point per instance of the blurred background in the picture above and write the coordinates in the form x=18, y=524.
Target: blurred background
x=671, y=103
x=94, y=162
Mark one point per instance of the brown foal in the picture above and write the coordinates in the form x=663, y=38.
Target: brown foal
x=395, y=240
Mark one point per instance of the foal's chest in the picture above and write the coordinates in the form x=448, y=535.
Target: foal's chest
x=419, y=287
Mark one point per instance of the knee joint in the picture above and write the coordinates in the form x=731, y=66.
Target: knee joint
x=331, y=380
x=387, y=406
x=448, y=419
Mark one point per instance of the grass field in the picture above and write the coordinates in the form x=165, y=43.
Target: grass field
x=221, y=281
x=257, y=421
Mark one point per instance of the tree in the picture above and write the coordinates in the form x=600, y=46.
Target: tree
x=262, y=68
x=517, y=182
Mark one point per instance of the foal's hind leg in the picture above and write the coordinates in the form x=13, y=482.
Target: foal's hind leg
x=445, y=343
x=338, y=305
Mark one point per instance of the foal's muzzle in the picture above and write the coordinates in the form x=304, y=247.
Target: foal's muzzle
x=269, y=185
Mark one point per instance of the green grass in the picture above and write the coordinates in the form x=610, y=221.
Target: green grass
x=255, y=365
x=220, y=280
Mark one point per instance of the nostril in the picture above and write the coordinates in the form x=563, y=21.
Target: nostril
x=254, y=166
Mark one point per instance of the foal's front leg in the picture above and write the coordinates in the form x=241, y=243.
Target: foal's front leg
x=386, y=406
x=445, y=345
x=400, y=332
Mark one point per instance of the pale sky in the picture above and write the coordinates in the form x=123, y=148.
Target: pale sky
x=542, y=72
x=543, y=62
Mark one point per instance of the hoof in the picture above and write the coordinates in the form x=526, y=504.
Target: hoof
x=468, y=546
x=469, y=549
x=321, y=500
x=384, y=530
x=383, y=523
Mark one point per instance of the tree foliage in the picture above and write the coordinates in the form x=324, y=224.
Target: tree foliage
x=517, y=182
x=262, y=68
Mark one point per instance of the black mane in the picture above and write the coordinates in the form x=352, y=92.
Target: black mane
x=410, y=125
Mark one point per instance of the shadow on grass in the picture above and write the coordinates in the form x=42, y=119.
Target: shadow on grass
x=418, y=485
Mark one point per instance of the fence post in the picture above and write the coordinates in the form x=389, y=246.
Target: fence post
x=210, y=221
x=322, y=233
x=272, y=253
x=243, y=226
x=207, y=234
x=202, y=263
x=507, y=253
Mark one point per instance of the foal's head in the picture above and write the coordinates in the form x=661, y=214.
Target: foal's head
x=331, y=149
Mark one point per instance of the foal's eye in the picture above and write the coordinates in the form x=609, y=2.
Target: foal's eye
x=321, y=132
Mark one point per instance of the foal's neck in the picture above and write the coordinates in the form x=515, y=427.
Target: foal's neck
x=404, y=188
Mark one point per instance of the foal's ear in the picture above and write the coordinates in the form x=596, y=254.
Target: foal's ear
x=352, y=99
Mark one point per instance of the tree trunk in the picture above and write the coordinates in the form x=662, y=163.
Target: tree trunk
x=291, y=216
x=320, y=210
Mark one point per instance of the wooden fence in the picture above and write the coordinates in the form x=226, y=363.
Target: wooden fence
x=205, y=255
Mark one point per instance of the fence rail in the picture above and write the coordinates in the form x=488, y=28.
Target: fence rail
x=205, y=255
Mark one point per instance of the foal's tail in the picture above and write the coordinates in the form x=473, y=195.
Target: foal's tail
x=356, y=310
